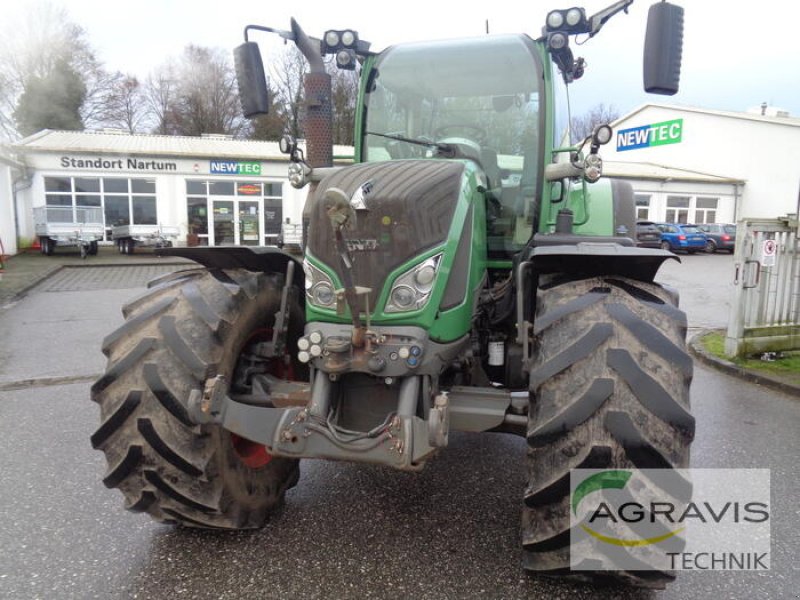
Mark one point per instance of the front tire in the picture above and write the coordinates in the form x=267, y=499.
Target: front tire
x=191, y=326
x=609, y=389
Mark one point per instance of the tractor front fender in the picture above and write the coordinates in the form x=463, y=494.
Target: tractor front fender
x=251, y=258
x=596, y=258
x=577, y=257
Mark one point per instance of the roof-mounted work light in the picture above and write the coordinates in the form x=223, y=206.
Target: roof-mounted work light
x=572, y=20
x=335, y=40
x=346, y=59
x=345, y=45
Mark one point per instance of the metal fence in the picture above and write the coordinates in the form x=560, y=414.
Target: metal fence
x=67, y=214
x=765, y=315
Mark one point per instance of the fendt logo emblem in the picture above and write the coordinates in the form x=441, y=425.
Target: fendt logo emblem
x=358, y=199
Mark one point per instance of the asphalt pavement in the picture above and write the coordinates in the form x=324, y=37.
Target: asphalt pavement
x=346, y=531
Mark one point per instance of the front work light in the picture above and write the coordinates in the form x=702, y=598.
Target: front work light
x=602, y=134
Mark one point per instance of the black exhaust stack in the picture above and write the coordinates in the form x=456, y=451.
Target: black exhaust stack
x=319, y=111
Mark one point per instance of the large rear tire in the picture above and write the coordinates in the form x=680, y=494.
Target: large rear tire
x=609, y=389
x=190, y=326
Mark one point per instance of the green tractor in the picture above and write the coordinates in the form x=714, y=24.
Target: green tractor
x=470, y=272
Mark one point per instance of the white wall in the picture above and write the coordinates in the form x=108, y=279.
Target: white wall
x=726, y=194
x=8, y=234
x=762, y=153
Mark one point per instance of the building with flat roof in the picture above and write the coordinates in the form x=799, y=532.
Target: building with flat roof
x=692, y=165
x=217, y=190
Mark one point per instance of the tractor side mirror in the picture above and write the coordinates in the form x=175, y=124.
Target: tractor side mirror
x=662, y=49
x=252, y=82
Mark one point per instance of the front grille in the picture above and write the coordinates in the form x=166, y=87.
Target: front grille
x=409, y=209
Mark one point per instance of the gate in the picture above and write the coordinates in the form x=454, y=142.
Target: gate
x=765, y=313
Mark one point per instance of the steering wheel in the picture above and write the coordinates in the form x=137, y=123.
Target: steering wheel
x=475, y=132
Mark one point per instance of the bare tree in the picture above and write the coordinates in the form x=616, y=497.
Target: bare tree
x=583, y=126
x=125, y=105
x=207, y=100
x=343, y=98
x=160, y=93
x=287, y=74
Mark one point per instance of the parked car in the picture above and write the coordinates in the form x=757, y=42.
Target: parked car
x=721, y=236
x=687, y=238
x=648, y=235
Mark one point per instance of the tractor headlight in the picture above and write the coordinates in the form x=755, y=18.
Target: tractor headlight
x=402, y=297
x=412, y=289
x=322, y=294
x=319, y=287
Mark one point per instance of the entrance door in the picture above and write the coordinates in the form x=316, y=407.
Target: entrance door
x=224, y=225
x=248, y=223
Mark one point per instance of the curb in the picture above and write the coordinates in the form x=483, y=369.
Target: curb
x=23, y=384
x=37, y=281
x=729, y=368
x=58, y=268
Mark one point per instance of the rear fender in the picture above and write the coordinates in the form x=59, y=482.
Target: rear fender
x=259, y=258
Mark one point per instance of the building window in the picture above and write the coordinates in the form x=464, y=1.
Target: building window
x=706, y=210
x=220, y=188
x=144, y=210
x=241, y=212
x=116, y=210
x=115, y=185
x=678, y=209
x=642, y=207
x=124, y=201
x=197, y=188
x=57, y=184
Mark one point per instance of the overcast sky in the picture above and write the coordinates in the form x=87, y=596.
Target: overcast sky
x=736, y=55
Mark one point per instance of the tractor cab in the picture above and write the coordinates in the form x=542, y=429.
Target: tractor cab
x=478, y=99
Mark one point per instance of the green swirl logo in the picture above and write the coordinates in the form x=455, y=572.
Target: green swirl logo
x=614, y=480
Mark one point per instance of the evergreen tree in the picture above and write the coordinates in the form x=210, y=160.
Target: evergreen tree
x=52, y=101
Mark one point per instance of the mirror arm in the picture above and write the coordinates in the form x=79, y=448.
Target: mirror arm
x=287, y=35
x=599, y=19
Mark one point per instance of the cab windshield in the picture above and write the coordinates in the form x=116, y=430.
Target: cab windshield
x=481, y=95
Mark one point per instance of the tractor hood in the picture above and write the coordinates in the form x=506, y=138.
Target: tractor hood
x=402, y=208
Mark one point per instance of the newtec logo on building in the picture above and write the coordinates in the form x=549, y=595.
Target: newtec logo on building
x=645, y=136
